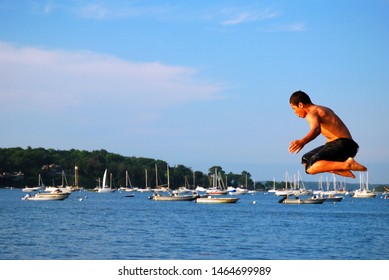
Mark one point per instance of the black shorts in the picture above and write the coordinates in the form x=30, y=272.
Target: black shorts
x=338, y=150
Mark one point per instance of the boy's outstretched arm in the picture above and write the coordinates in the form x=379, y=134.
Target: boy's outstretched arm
x=296, y=145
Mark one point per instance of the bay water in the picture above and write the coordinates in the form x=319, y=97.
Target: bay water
x=111, y=226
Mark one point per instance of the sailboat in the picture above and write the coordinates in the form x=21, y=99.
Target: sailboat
x=331, y=195
x=286, y=191
x=273, y=190
x=64, y=187
x=299, y=187
x=218, y=187
x=40, y=186
x=184, y=189
x=157, y=196
x=147, y=188
x=128, y=182
x=363, y=191
x=104, y=188
x=56, y=194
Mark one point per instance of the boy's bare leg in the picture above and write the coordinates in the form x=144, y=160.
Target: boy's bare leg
x=344, y=173
x=338, y=167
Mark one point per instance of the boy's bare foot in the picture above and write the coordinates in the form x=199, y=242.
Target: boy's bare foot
x=344, y=173
x=355, y=166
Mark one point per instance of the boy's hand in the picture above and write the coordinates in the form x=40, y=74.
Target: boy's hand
x=295, y=146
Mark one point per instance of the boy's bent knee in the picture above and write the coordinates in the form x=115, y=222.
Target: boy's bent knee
x=311, y=169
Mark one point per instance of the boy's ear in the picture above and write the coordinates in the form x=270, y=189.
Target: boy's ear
x=301, y=105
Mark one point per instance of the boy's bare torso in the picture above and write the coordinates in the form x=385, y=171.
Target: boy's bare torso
x=332, y=127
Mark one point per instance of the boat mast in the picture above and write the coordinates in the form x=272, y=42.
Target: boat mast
x=168, y=177
x=156, y=176
x=194, y=180
x=146, y=178
x=76, y=176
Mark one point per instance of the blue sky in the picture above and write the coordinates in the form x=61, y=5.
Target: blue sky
x=198, y=83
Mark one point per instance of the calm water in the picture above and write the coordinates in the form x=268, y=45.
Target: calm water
x=111, y=226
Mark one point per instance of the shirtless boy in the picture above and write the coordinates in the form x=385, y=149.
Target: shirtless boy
x=337, y=155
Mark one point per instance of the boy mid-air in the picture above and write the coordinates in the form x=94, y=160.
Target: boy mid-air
x=337, y=154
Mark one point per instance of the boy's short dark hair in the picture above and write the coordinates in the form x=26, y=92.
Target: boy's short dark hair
x=299, y=96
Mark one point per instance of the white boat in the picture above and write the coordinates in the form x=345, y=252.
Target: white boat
x=200, y=189
x=129, y=187
x=56, y=195
x=32, y=189
x=63, y=188
x=186, y=189
x=40, y=186
x=216, y=200
x=238, y=191
x=161, y=187
x=363, y=191
x=166, y=195
x=213, y=191
x=335, y=189
x=146, y=188
x=104, y=188
x=174, y=197
x=364, y=194
x=299, y=187
x=286, y=191
x=218, y=187
x=273, y=190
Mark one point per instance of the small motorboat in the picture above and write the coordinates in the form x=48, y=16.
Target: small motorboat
x=210, y=199
x=47, y=196
x=297, y=200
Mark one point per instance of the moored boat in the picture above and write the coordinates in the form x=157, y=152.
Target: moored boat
x=47, y=196
x=173, y=197
x=364, y=191
x=104, y=188
x=297, y=200
x=210, y=199
x=333, y=198
x=40, y=186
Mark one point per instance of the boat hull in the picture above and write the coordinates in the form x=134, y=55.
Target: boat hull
x=367, y=195
x=334, y=199
x=47, y=196
x=216, y=200
x=174, y=198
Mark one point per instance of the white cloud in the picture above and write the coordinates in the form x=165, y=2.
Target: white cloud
x=53, y=79
x=238, y=16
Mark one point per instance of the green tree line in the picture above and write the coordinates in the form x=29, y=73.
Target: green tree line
x=21, y=167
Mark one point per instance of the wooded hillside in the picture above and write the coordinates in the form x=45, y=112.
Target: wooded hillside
x=21, y=167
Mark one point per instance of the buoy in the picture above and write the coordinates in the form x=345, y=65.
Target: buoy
x=254, y=202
